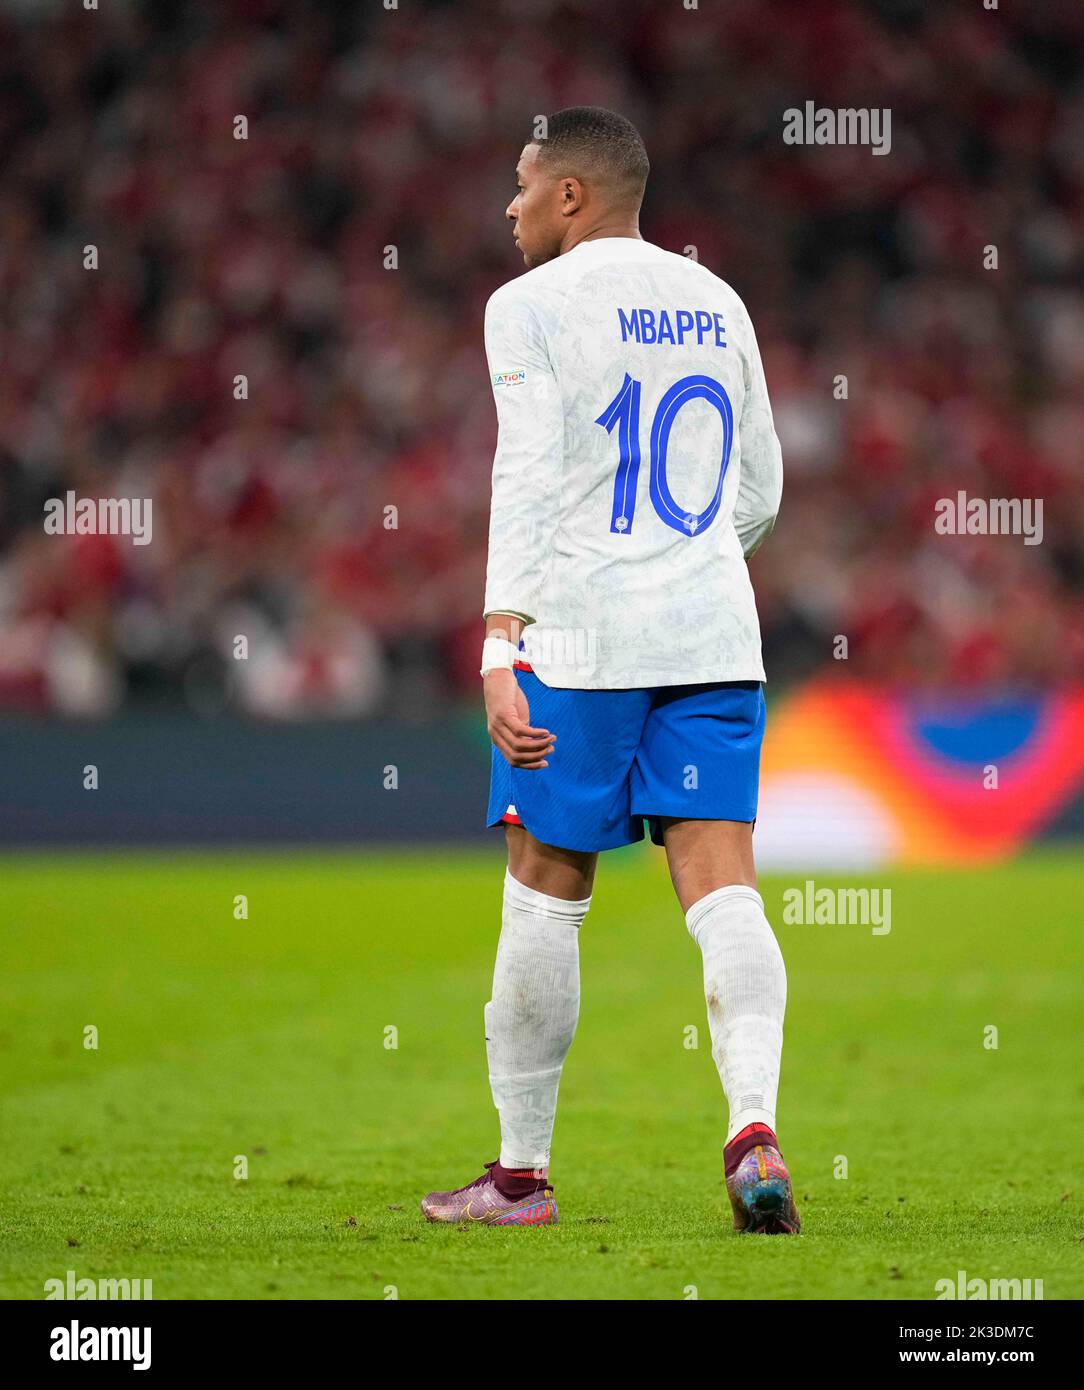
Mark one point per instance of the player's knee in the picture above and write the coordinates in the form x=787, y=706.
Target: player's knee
x=549, y=869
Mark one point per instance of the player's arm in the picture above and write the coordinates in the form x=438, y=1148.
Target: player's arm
x=508, y=718
x=761, y=459
x=523, y=515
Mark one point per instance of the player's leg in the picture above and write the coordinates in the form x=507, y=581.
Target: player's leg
x=535, y=1006
x=582, y=798
x=696, y=777
x=559, y=873
x=745, y=981
x=531, y=1017
x=530, y=1023
x=703, y=855
x=745, y=986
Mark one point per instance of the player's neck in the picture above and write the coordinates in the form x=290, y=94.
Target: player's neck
x=616, y=227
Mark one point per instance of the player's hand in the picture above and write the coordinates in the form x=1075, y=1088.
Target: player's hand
x=508, y=721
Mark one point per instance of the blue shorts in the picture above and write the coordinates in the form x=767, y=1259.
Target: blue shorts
x=681, y=751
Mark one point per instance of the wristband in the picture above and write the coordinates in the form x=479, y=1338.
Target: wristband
x=498, y=654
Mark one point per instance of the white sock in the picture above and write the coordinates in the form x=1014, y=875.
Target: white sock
x=531, y=1019
x=745, y=985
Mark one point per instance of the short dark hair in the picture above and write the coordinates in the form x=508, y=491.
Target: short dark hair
x=591, y=141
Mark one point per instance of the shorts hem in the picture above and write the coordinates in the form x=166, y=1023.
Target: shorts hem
x=744, y=815
x=610, y=842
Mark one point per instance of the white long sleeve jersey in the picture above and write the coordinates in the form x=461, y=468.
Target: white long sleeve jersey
x=637, y=467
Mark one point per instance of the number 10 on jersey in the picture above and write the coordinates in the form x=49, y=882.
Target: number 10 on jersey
x=623, y=413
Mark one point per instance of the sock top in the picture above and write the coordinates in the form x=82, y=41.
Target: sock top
x=531, y=900
x=719, y=897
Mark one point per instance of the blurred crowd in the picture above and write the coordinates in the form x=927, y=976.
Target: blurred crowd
x=280, y=341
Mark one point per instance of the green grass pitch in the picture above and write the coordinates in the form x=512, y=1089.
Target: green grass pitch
x=267, y=1038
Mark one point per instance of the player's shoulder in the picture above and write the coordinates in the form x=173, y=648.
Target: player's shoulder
x=533, y=289
x=699, y=274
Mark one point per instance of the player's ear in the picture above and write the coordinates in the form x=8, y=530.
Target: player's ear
x=571, y=196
